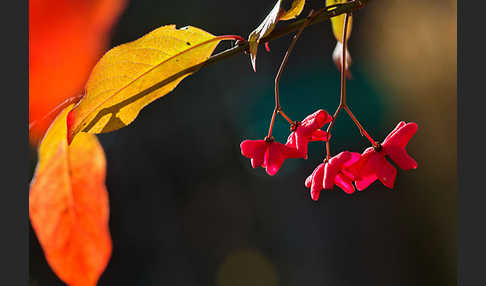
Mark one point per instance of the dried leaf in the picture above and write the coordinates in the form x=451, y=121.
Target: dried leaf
x=338, y=22
x=130, y=76
x=337, y=57
x=268, y=24
x=68, y=205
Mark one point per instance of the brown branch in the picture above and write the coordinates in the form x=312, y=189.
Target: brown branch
x=323, y=14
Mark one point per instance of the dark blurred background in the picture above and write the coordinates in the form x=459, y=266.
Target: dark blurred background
x=188, y=209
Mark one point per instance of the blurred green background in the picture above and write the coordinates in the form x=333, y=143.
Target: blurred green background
x=188, y=209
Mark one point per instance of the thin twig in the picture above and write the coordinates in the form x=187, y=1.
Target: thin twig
x=284, y=62
x=278, y=108
x=360, y=127
x=272, y=121
x=342, y=101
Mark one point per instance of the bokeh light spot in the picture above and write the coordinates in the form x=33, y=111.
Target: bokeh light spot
x=245, y=267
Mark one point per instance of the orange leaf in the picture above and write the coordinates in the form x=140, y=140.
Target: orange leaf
x=68, y=205
x=66, y=38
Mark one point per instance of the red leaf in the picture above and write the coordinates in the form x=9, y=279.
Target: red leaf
x=66, y=38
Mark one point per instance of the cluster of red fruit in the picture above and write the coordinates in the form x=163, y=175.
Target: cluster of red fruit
x=342, y=170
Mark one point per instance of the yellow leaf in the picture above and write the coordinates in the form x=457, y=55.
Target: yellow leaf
x=130, y=76
x=268, y=24
x=338, y=22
